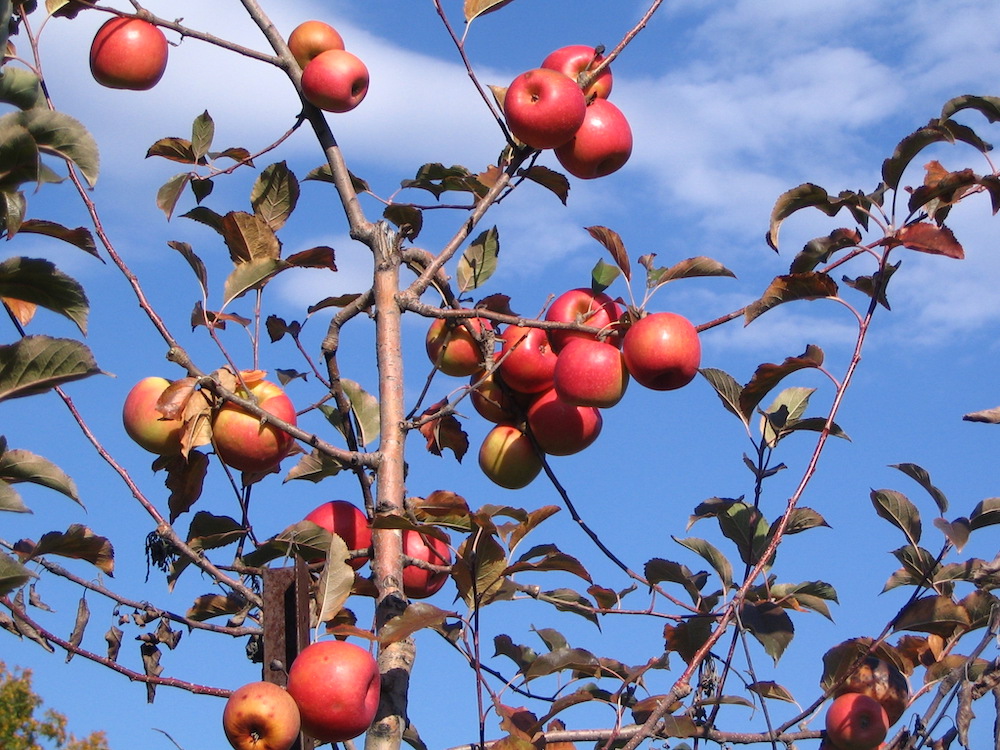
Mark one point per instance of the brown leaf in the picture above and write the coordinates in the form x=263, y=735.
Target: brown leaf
x=614, y=244
x=444, y=432
x=930, y=238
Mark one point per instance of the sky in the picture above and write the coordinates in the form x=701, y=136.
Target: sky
x=731, y=104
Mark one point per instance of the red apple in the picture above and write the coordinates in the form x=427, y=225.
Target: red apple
x=584, y=306
x=508, y=457
x=245, y=443
x=128, y=53
x=310, y=38
x=601, y=145
x=662, y=351
x=420, y=583
x=561, y=429
x=883, y=681
x=452, y=347
x=261, y=716
x=335, y=81
x=856, y=721
x=591, y=373
x=577, y=59
x=527, y=360
x=494, y=400
x=544, y=108
x=145, y=424
x=336, y=685
x=348, y=522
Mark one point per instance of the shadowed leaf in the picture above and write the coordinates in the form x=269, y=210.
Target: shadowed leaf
x=713, y=556
x=687, y=269
x=986, y=513
x=202, y=135
x=22, y=466
x=275, y=195
x=36, y=364
x=39, y=282
x=479, y=262
x=80, y=543
x=20, y=87
x=13, y=575
x=613, y=243
x=549, y=179
x=174, y=149
x=728, y=391
x=811, y=285
x=249, y=238
x=897, y=509
x=548, y=557
x=80, y=237
x=770, y=625
x=417, y=616
x=923, y=478
x=932, y=614
x=170, y=192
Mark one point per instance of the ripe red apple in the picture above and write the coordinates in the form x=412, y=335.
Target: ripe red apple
x=348, y=522
x=662, y=351
x=335, y=81
x=508, y=458
x=452, y=347
x=128, y=53
x=336, y=685
x=544, y=108
x=601, y=145
x=527, y=360
x=576, y=59
x=883, y=681
x=591, y=373
x=584, y=306
x=856, y=721
x=145, y=424
x=420, y=583
x=242, y=441
x=261, y=716
x=561, y=429
x=495, y=401
x=310, y=38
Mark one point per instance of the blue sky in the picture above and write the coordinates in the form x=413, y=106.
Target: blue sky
x=731, y=104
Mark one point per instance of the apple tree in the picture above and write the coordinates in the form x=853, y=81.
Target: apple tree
x=257, y=406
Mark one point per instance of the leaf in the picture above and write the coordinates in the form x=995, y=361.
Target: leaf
x=771, y=690
x=39, y=282
x=687, y=269
x=250, y=275
x=249, y=238
x=658, y=570
x=787, y=407
x=36, y=364
x=79, y=625
x=770, y=625
x=13, y=575
x=803, y=196
x=19, y=86
x=409, y=219
x=957, y=531
x=202, y=135
x=364, y=409
x=22, y=466
x=19, y=160
x=603, y=275
x=567, y=600
x=80, y=543
x=315, y=467
x=923, y=478
x=275, y=195
x=932, y=614
x=986, y=416
x=417, y=616
x=479, y=569
x=59, y=134
x=170, y=192
x=185, y=480
x=80, y=237
x=479, y=262
x=196, y=263
x=811, y=285
x=563, y=659
x=728, y=391
x=986, y=513
x=746, y=527
x=315, y=257
x=475, y=8
x=175, y=149
x=988, y=106
x=553, y=181
x=875, y=285
x=612, y=242
x=800, y=596
x=897, y=509
x=929, y=238
x=820, y=249
x=207, y=606
x=936, y=131
x=335, y=582
x=551, y=558
x=713, y=556
x=768, y=375
x=10, y=500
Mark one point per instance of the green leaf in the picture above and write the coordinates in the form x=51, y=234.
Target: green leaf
x=808, y=595
x=12, y=208
x=409, y=219
x=202, y=135
x=603, y=275
x=770, y=625
x=567, y=600
x=10, y=500
x=479, y=569
x=315, y=467
x=746, y=527
x=548, y=557
x=59, y=134
x=811, y=285
x=36, y=364
x=170, y=192
x=687, y=269
x=728, y=391
x=39, y=282
x=771, y=690
x=932, y=614
x=275, y=195
x=13, y=575
x=479, y=262
x=19, y=161
x=475, y=8
x=564, y=659
x=335, y=582
x=249, y=238
x=897, y=509
x=250, y=275
x=416, y=616
x=920, y=475
x=364, y=408
x=23, y=466
x=787, y=408
x=19, y=86
x=713, y=556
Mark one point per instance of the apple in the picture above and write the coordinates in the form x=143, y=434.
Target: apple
x=883, y=681
x=310, y=38
x=246, y=443
x=335, y=81
x=145, y=424
x=591, y=373
x=584, y=306
x=452, y=347
x=420, y=583
x=856, y=721
x=561, y=429
x=544, y=108
x=508, y=457
x=336, y=686
x=261, y=716
x=128, y=53
x=494, y=400
x=662, y=351
x=601, y=145
x=527, y=361
x=577, y=59
x=348, y=522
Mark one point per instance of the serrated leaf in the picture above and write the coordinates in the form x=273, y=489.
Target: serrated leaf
x=479, y=569
x=920, y=475
x=930, y=238
x=746, y=527
x=556, y=182
x=804, y=196
x=275, y=195
x=249, y=238
x=10, y=500
x=59, y=134
x=811, y=285
x=479, y=262
x=205, y=216
x=39, y=282
x=720, y=564
x=36, y=364
x=22, y=466
x=897, y=509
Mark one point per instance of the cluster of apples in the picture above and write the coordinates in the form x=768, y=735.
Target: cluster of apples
x=240, y=439
x=333, y=79
x=549, y=385
x=128, y=53
x=332, y=695
x=547, y=108
x=865, y=706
